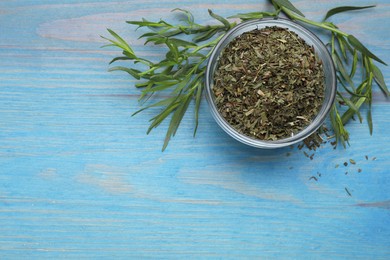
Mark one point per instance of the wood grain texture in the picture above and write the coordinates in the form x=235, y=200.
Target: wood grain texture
x=79, y=178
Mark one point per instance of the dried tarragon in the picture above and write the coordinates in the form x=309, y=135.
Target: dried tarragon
x=269, y=84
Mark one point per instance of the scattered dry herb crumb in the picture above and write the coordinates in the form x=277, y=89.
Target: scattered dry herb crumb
x=373, y=158
x=352, y=161
x=366, y=157
x=345, y=164
x=306, y=154
x=288, y=154
x=337, y=166
x=314, y=178
x=324, y=129
x=291, y=167
x=347, y=191
x=346, y=173
x=315, y=140
x=359, y=170
x=319, y=174
x=311, y=156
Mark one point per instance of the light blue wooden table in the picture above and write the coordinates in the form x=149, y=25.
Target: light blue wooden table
x=79, y=178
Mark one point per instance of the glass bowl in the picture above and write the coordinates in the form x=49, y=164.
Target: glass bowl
x=310, y=39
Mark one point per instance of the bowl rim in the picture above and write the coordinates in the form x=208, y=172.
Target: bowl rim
x=315, y=42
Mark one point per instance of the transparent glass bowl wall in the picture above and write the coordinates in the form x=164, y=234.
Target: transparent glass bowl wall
x=310, y=39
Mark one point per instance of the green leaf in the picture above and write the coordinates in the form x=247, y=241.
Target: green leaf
x=170, y=32
x=287, y=4
x=369, y=120
x=158, y=39
x=253, y=15
x=351, y=106
x=160, y=86
x=183, y=70
x=173, y=50
x=345, y=43
x=157, y=120
x=182, y=43
x=182, y=84
x=341, y=68
x=248, y=16
x=354, y=63
x=341, y=133
x=164, y=102
x=342, y=42
x=147, y=23
x=198, y=99
x=161, y=77
x=148, y=34
x=360, y=89
x=352, y=93
x=142, y=84
x=166, y=63
x=132, y=72
x=167, y=70
x=220, y=18
x=350, y=112
x=359, y=46
x=344, y=9
x=379, y=79
x=130, y=55
x=179, y=113
x=119, y=58
x=205, y=36
x=369, y=88
x=120, y=42
x=333, y=122
x=190, y=17
x=176, y=120
x=197, y=55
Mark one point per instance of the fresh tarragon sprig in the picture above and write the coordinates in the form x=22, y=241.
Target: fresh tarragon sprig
x=182, y=70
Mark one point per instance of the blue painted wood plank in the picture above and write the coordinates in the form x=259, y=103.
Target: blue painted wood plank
x=79, y=177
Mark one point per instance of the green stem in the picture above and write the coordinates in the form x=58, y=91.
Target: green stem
x=209, y=44
x=197, y=28
x=293, y=16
